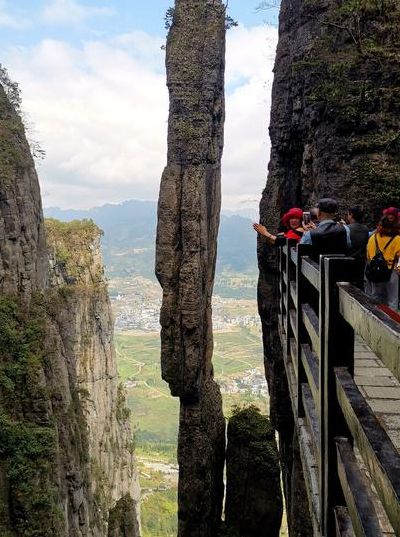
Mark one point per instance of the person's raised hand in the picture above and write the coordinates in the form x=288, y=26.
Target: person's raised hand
x=309, y=227
x=262, y=230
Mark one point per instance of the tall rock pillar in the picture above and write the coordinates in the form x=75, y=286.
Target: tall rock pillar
x=188, y=219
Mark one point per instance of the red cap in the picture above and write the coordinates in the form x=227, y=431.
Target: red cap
x=391, y=210
x=295, y=212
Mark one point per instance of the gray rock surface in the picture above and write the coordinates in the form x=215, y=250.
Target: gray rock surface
x=188, y=219
x=23, y=259
x=122, y=521
x=86, y=327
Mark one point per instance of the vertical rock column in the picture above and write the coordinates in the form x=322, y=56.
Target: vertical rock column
x=188, y=219
x=253, y=489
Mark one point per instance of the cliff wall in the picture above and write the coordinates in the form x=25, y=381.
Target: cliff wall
x=65, y=453
x=86, y=327
x=335, y=132
x=188, y=220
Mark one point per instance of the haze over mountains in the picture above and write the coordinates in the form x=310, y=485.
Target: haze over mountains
x=130, y=230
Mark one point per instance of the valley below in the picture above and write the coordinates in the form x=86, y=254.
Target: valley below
x=238, y=366
x=128, y=252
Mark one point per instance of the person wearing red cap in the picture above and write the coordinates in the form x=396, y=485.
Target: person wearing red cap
x=292, y=220
x=392, y=214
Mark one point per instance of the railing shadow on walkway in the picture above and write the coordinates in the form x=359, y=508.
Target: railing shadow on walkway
x=349, y=461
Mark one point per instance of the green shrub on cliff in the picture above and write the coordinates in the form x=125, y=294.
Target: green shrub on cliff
x=27, y=436
x=254, y=503
x=73, y=245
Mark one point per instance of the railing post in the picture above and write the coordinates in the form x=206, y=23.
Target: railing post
x=290, y=275
x=337, y=350
x=281, y=286
x=301, y=298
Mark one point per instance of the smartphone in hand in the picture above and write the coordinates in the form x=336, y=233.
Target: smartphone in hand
x=306, y=218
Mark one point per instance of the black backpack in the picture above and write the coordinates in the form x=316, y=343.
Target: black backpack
x=377, y=270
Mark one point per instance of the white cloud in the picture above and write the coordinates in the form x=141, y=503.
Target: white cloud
x=71, y=12
x=101, y=113
x=250, y=60
x=250, y=52
x=11, y=20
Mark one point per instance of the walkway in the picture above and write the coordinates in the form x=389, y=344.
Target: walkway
x=342, y=358
x=380, y=389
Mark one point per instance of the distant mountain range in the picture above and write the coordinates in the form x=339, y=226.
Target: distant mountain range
x=130, y=231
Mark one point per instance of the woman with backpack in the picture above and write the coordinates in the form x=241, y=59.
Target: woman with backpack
x=382, y=271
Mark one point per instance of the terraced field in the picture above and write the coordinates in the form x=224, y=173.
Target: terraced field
x=154, y=411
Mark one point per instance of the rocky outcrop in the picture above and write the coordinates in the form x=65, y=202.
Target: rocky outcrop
x=122, y=520
x=86, y=327
x=334, y=132
x=65, y=444
x=188, y=219
x=254, y=503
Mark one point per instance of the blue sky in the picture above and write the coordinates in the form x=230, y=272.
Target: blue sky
x=93, y=83
x=109, y=18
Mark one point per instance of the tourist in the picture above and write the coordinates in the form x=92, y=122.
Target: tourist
x=329, y=237
x=359, y=235
x=382, y=281
x=292, y=221
x=392, y=213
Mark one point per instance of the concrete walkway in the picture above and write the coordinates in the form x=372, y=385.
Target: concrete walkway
x=382, y=392
x=380, y=388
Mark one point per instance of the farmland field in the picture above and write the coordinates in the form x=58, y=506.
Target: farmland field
x=155, y=413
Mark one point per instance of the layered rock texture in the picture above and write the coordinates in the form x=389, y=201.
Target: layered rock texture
x=335, y=126
x=86, y=328
x=65, y=445
x=253, y=488
x=188, y=219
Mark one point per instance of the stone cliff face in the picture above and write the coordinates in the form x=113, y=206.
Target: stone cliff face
x=336, y=107
x=23, y=260
x=86, y=328
x=334, y=132
x=188, y=219
x=65, y=453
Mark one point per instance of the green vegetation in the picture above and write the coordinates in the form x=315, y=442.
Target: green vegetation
x=122, y=519
x=159, y=514
x=128, y=245
x=249, y=427
x=155, y=413
x=27, y=438
x=11, y=89
x=14, y=154
x=73, y=245
x=169, y=17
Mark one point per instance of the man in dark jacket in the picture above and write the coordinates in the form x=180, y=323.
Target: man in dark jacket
x=359, y=235
x=329, y=237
